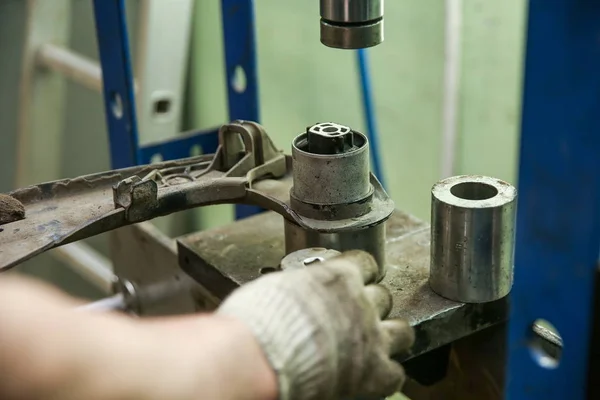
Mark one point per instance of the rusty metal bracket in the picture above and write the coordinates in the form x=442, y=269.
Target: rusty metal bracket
x=67, y=210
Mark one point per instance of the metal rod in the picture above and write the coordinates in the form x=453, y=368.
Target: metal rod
x=136, y=300
x=88, y=263
x=76, y=67
x=452, y=65
x=113, y=303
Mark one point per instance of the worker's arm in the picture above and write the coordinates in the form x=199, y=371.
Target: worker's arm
x=309, y=334
x=48, y=350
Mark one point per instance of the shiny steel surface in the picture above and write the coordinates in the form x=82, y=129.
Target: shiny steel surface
x=306, y=257
x=113, y=303
x=351, y=11
x=371, y=240
x=472, y=238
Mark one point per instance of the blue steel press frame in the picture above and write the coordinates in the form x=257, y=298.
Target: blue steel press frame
x=558, y=223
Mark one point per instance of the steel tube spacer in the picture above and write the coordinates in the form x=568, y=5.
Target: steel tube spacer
x=472, y=238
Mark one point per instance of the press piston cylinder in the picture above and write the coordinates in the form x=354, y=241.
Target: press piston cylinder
x=472, y=238
x=351, y=24
x=333, y=190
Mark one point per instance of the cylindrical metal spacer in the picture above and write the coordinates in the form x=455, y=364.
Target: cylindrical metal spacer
x=472, y=238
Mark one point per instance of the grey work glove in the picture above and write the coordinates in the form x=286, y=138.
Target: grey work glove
x=320, y=329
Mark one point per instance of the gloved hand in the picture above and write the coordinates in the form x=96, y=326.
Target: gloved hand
x=321, y=331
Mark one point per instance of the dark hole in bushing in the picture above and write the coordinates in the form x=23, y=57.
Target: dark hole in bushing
x=358, y=141
x=162, y=106
x=474, y=191
x=267, y=270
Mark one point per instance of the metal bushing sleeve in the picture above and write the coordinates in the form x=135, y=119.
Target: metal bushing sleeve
x=336, y=177
x=472, y=238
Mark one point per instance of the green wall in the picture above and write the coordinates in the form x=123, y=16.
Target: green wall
x=302, y=82
x=490, y=113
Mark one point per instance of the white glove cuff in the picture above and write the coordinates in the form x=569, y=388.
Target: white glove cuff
x=284, y=327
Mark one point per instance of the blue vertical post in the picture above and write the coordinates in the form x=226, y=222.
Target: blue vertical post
x=369, y=113
x=115, y=60
x=558, y=223
x=240, y=67
x=117, y=80
x=119, y=96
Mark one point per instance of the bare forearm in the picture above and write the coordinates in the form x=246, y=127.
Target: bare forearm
x=214, y=358
x=49, y=351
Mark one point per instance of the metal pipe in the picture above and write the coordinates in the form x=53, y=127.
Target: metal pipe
x=76, y=67
x=88, y=263
x=137, y=300
x=452, y=64
x=472, y=238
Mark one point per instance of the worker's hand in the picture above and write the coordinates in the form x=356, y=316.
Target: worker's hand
x=321, y=331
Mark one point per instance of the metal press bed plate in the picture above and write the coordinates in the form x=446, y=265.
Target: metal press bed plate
x=224, y=258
